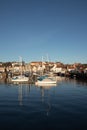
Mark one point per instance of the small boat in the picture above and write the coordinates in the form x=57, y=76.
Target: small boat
x=46, y=80
x=20, y=78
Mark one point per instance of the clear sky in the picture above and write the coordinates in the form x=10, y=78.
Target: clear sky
x=36, y=28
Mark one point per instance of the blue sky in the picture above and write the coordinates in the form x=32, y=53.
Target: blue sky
x=36, y=28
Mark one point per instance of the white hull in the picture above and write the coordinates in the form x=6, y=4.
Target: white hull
x=46, y=86
x=46, y=81
x=42, y=82
x=20, y=79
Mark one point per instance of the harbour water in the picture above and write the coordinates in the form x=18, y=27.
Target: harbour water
x=58, y=107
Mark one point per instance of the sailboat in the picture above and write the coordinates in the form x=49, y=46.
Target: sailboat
x=45, y=79
x=21, y=77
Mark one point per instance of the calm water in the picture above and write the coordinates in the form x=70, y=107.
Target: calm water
x=57, y=107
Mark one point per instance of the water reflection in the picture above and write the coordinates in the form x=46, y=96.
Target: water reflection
x=82, y=83
x=46, y=101
x=45, y=90
x=21, y=88
x=76, y=82
x=26, y=90
x=57, y=107
x=20, y=97
x=46, y=97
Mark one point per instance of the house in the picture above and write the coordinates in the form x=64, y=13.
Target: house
x=2, y=69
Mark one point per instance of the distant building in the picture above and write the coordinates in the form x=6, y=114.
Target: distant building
x=2, y=69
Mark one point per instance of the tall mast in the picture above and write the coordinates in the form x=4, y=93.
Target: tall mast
x=20, y=60
x=42, y=65
x=42, y=60
x=47, y=58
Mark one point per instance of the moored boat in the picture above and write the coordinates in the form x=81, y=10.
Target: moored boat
x=46, y=80
x=20, y=78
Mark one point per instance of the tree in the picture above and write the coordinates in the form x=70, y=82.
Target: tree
x=7, y=64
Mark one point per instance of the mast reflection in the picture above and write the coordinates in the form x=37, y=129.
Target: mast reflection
x=20, y=97
x=45, y=96
x=21, y=91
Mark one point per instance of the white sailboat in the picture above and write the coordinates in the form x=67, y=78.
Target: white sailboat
x=20, y=78
x=45, y=80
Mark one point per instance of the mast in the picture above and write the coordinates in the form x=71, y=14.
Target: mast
x=42, y=65
x=47, y=58
x=20, y=60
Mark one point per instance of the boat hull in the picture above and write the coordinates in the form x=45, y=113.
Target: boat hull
x=20, y=79
x=46, y=81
